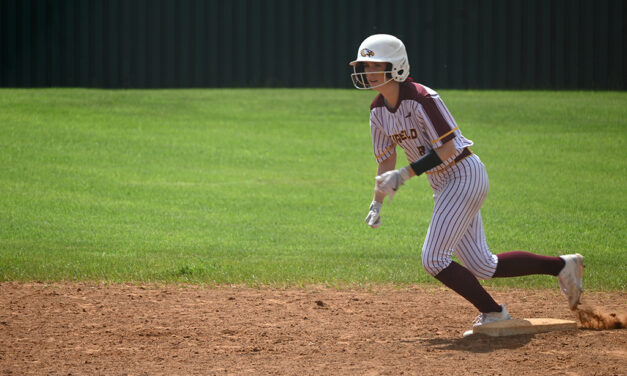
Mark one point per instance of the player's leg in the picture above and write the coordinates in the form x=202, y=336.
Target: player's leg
x=568, y=269
x=519, y=263
x=474, y=253
x=458, y=198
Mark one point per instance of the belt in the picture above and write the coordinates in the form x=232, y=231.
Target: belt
x=463, y=155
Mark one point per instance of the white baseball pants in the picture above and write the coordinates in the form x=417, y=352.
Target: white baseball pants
x=456, y=227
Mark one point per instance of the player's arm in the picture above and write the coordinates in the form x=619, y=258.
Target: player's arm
x=389, y=182
x=447, y=150
x=387, y=165
x=442, y=153
x=373, y=219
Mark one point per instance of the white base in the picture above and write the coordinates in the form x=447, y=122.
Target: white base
x=524, y=326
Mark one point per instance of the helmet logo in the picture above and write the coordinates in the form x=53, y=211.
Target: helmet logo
x=366, y=52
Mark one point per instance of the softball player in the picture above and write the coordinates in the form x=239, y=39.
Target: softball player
x=415, y=118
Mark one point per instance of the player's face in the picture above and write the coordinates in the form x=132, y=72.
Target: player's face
x=375, y=79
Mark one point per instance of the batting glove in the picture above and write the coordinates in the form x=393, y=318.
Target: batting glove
x=373, y=219
x=390, y=181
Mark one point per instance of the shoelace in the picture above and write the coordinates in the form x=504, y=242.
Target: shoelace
x=479, y=319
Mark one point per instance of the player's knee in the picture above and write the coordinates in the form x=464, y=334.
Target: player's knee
x=434, y=265
x=483, y=269
x=481, y=274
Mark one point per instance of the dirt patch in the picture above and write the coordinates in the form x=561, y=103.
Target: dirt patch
x=597, y=318
x=61, y=329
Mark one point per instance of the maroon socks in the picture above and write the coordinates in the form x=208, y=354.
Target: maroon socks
x=516, y=264
x=511, y=264
x=463, y=282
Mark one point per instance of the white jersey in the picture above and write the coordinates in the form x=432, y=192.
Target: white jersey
x=420, y=122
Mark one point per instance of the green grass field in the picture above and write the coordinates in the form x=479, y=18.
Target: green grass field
x=270, y=187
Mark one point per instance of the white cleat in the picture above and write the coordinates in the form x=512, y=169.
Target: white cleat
x=571, y=278
x=486, y=318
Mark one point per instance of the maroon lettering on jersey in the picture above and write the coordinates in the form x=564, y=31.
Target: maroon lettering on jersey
x=404, y=135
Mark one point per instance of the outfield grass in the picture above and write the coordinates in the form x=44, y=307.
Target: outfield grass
x=271, y=186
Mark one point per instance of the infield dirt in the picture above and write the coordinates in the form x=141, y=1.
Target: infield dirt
x=98, y=329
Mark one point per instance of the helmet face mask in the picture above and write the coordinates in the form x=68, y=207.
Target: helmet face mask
x=360, y=79
x=380, y=48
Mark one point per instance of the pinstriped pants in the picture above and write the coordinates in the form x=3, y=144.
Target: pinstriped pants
x=456, y=225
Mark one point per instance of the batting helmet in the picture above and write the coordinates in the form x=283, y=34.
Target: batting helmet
x=381, y=48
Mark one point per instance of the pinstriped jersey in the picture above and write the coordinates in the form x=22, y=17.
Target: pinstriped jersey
x=420, y=122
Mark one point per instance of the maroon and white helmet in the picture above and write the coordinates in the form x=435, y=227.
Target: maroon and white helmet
x=381, y=48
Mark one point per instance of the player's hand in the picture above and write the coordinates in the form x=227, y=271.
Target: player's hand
x=389, y=182
x=373, y=219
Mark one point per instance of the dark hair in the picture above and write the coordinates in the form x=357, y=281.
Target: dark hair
x=359, y=67
x=388, y=67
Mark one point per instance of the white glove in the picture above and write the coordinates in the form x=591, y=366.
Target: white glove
x=390, y=181
x=373, y=220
